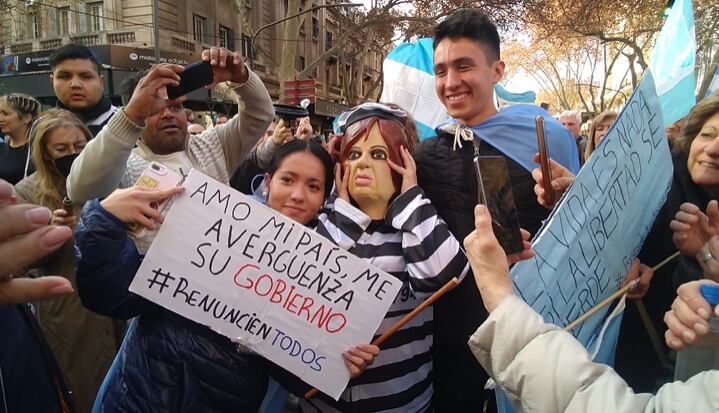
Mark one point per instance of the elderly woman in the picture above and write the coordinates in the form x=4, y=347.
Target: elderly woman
x=599, y=127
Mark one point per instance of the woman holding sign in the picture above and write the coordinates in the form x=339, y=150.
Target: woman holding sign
x=167, y=362
x=383, y=216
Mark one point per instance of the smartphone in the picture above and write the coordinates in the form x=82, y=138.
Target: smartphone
x=544, y=161
x=195, y=76
x=495, y=192
x=156, y=176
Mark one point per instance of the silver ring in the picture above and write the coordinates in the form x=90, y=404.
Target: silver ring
x=706, y=257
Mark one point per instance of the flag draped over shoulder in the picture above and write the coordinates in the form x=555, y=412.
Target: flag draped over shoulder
x=672, y=63
x=512, y=130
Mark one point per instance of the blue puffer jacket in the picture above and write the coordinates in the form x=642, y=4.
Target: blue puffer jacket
x=167, y=363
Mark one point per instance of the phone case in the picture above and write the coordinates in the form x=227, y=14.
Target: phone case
x=495, y=191
x=195, y=76
x=544, y=161
x=155, y=176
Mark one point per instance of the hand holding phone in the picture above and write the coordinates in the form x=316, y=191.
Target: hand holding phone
x=495, y=192
x=549, y=197
x=195, y=76
x=157, y=177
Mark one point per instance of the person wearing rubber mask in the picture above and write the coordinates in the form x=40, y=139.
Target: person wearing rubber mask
x=381, y=215
x=83, y=343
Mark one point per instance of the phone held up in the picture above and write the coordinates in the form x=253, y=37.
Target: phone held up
x=195, y=76
x=157, y=177
x=495, y=192
x=544, y=161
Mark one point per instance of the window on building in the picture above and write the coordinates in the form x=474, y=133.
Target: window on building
x=246, y=47
x=329, y=40
x=300, y=63
x=225, y=37
x=315, y=28
x=95, y=14
x=63, y=20
x=198, y=28
x=34, y=26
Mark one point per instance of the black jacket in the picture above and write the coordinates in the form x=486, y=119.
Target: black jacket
x=449, y=180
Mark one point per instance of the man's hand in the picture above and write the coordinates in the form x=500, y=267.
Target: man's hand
x=226, y=65
x=562, y=178
x=150, y=95
x=282, y=133
x=25, y=237
x=488, y=260
x=689, y=316
x=692, y=228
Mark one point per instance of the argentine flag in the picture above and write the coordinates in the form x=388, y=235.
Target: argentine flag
x=672, y=63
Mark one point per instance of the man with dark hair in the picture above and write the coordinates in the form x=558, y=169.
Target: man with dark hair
x=79, y=86
x=151, y=127
x=467, y=66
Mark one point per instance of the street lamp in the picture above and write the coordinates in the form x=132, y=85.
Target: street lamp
x=323, y=6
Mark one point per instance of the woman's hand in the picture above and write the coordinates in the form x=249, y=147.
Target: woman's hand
x=692, y=228
x=137, y=204
x=408, y=172
x=282, y=133
x=688, y=320
x=358, y=358
x=643, y=274
x=61, y=217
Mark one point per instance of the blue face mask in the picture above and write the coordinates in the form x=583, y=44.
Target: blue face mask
x=63, y=164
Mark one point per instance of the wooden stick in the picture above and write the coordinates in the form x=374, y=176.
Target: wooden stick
x=653, y=335
x=616, y=295
x=666, y=260
x=406, y=319
x=601, y=305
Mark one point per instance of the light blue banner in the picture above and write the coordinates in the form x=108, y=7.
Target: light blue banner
x=585, y=248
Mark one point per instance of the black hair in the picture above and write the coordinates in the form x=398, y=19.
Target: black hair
x=299, y=145
x=128, y=85
x=72, y=51
x=471, y=24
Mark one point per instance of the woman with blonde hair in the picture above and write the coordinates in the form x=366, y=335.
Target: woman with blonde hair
x=598, y=129
x=17, y=112
x=83, y=342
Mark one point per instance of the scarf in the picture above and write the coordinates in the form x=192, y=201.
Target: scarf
x=91, y=113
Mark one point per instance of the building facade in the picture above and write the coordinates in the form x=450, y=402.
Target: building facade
x=187, y=27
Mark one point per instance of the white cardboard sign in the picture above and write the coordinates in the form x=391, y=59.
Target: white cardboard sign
x=228, y=262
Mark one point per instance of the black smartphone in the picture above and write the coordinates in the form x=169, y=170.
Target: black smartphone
x=195, y=76
x=544, y=161
x=495, y=192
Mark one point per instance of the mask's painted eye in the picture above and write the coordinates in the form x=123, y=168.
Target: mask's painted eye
x=354, y=155
x=379, y=154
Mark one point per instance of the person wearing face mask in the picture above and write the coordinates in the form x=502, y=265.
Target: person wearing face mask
x=83, y=343
x=381, y=215
x=17, y=112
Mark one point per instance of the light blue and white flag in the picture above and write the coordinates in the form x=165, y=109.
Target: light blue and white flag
x=409, y=83
x=672, y=63
x=714, y=85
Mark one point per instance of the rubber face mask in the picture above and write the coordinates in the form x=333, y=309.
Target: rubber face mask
x=370, y=182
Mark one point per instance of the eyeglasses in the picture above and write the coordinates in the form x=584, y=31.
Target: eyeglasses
x=386, y=127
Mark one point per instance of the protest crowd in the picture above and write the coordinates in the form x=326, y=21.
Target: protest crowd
x=87, y=187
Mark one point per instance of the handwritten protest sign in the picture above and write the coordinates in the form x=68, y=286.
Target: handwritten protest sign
x=585, y=248
x=265, y=281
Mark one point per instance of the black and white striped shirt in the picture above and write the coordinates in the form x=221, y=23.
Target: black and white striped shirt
x=415, y=245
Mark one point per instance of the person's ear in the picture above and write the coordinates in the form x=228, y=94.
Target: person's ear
x=266, y=189
x=497, y=71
